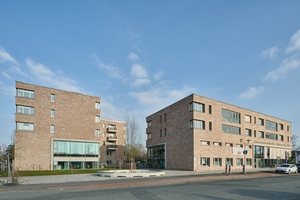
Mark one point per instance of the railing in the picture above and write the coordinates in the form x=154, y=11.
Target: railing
x=112, y=138
x=112, y=129
x=112, y=147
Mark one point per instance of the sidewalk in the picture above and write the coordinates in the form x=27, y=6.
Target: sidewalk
x=95, y=177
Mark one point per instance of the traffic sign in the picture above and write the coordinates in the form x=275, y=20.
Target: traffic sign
x=245, y=152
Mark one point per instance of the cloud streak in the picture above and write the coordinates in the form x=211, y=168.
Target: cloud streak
x=133, y=56
x=4, y=56
x=6, y=75
x=110, y=70
x=138, y=71
x=270, y=53
x=294, y=44
x=251, y=92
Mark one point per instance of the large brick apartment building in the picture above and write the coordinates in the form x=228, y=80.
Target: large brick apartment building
x=198, y=133
x=57, y=129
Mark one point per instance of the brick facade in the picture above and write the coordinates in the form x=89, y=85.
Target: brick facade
x=183, y=146
x=74, y=120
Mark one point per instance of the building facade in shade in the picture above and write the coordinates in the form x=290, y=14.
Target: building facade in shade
x=198, y=133
x=57, y=129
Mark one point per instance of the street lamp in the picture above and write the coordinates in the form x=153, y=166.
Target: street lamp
x=245, y=152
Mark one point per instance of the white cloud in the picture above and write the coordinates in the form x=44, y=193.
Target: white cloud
x=270, y=53
x=16, y=69
x=6, y=75
x=4, y=56
x=138, y=71
x=251, y=92
x=288, y=64
x=7, y=90
x=160, y=97
x=110, y=70
x=294, y=43
x=158, y=74
x=111, y=112
x=58, y=80
x=133, y=56
x=141, y=81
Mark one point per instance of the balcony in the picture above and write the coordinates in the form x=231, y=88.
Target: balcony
x=112, y=129
x=112, y=138
x=112, y=147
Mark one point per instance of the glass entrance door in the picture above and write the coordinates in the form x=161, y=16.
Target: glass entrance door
x=258, y=156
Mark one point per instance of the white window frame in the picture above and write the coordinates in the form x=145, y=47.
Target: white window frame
x=52, y=129
x=52, y=112
x=31, y=110
x=20, y=126
x=52, y=97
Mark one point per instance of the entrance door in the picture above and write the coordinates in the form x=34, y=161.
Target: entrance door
x=259, y=163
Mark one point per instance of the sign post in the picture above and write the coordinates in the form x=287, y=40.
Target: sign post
x=245, y=152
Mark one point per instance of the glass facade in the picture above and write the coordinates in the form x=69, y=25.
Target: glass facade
x=25, y=93
x=272, y=126
x=75, y=165
x=197, y=124
x=271, y=136
x=156, y=157
x=231, y=129
x=197, y=107
x=75, y=149
x=261, y=162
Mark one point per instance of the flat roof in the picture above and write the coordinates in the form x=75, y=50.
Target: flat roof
x=217, y=101
x=57, y=89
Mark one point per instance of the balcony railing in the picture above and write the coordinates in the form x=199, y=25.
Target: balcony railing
x=112, y=129
x=112, y=138
x=112, y=147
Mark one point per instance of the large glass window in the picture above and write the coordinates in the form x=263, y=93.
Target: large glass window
x=217, y=161
x=197, y=107
x=25, y=93
x=23, y=126
x=271, y=136
x=75, y=149
x=272, y=126
x=248, y=132
x=156, y=157
x=260, y=121
x=239, y=161
x=197, y=124
x=205, y=161
x=231, y=129
x=230, y=116
x=229, y=161
x=25, y=110
x=261, y=134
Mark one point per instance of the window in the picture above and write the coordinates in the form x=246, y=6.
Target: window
x=160, y=119
x=254, y=120
x=108, y=153
x=149, y=124
x=96, y=132
x=25, y=93
x=103, y=125
x=280, y=126
x=52, y=129
x=165, y=131
x=288, y=138
x=124, y=136
x=53, y=113
x=160, y=132
x=205, y=161
x=248, y=132
x=25, y=110
x=229, y=161
x=280, y=137
x=228, y=145
x=248, y=118
x=239, y=145
x=108, y=162
x=97, y=119
x=124, y=144
x=268, y=152
x=231, y=129
x=254, y=133
x=239, y=161
x=260, y=121
x=149, y=136
x=248, y=161
x=210, y=126
x=124, y=128
x=230, y=116
x=103, y=143
x=205, y=143
x=288, y=128
x=22, y=126
x=197, y=124
x=165, y=117
x=217, y=161
x=272, y=126
x=271, y=136
x=196, y=107
x=103, y=134
x=218, y=144
x=52, y=97
x=248, y=146
x=97, y=105
x=261, y=134
x=124, y=153
x=210, y=111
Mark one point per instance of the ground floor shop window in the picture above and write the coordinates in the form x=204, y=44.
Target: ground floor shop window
x=217, y=161
x=249, y=161
x=229, y=161
x=239, y=161
x=75, y=165
x=205, y=162
x=156, y=157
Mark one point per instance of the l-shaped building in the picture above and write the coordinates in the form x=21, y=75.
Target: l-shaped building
x=198, y=133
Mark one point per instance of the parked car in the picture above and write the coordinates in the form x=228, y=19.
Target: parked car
x=287, y=168
x=298, y=166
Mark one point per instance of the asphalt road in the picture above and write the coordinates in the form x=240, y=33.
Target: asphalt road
x=278, y=187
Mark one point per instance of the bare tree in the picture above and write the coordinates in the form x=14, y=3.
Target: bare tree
x=294, y=141
x=133, y=139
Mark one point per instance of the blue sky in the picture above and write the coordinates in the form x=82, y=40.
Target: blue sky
x=140, y=56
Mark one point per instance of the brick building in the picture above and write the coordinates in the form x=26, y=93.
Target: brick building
x=198, y=133
x=57, y=129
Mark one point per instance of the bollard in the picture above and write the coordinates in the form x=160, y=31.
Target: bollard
x=229, y=172
x=226, y=169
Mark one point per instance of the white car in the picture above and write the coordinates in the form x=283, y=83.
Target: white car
x=287, y=168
